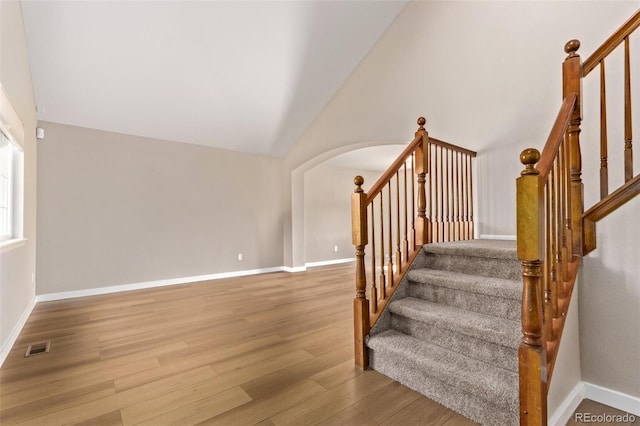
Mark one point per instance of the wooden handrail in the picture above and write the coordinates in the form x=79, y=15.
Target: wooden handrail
x=614, y=201
x=425, y=196
x=406, y=153
x=556, y=136
x=606, y=206
x=452, y=147
x=611, y=43
x=393, y=168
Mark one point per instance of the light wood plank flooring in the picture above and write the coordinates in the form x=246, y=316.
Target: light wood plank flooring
x=272, y=349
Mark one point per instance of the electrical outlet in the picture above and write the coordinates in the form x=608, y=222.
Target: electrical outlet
x=335, y=248
x=239, y=256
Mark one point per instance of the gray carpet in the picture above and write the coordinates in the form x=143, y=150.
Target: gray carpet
x=453, y=328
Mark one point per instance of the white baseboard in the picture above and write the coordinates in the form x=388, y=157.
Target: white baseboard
x=11, y=340
x=564, y=412
x=294, y=268
x=583, y=390
x=612, y=398
x=330, y=262
x=150, y=284
x=314, y=264
x=175, y=281
x=497, y=237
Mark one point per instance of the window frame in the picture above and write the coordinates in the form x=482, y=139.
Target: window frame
x=12, y=130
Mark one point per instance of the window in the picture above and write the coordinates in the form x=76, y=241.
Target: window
x=11, y=172
x=9, y=156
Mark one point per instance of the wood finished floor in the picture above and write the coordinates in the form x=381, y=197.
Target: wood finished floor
x=272, y=349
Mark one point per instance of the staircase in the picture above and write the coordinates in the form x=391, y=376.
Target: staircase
x=467, y=323
x=452, y=329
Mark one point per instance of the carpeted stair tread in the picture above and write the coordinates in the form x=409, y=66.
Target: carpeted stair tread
x=490, y=286
x=496, y=249
x=494, y=384
x=492, y=329
x=489, y=258
x=452, y=330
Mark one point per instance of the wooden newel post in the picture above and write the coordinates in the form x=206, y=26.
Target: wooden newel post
x=530, y=240
x=359, y=236
x=423, y=223
x=572, y=83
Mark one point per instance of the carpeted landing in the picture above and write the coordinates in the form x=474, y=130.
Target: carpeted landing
x=451, y=331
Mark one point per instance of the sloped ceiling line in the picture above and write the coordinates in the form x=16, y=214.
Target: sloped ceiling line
x=213, y=73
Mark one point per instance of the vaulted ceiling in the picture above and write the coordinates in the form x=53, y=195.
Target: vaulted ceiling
x=241, y=75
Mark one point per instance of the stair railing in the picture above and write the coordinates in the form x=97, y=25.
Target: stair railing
x=425, y=196
x=553, y=231
x=609, y=202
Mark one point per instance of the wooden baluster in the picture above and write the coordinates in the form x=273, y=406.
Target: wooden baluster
x=390, y=242
x=359, y=235
x=405, y=242
x=557, y=235
x=414, y=243
x=572, y=83
x=429, y=184
x=561, y=218
x=628, y=150
x=383, y=279
x=531, y=353
x=471, y=223
x=453, y=196
x=458, y=199
x=435, y=217
x=422, y=168
x=466, y=198
x=450, y=195
x=398, y=239
x=438, y=192
x=568, y=228
x=374, y=289
x=547, y=267
x=445, y=195
x=604, y=171
x=442, y=217
x=553, y=241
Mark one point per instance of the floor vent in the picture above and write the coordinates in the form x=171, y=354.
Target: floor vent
x=38, y=348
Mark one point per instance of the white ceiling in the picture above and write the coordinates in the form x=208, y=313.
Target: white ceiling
x=242, y=75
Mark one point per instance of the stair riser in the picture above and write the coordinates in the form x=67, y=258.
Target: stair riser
x=481, y=303
x=459, y=398
x=491, y=353
x=487, y=267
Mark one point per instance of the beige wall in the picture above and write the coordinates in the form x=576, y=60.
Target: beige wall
x=567, y=371
x=327, y=211
x=18, y=264
x=610, y=304
x=117, y=209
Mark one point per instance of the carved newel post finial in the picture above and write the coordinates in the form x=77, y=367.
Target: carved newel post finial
x=529, y=157
x=572, y=47
x=358, y=181
x=421, y=122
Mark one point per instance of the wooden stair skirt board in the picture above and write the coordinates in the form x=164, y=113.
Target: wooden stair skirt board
x=452, y=329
